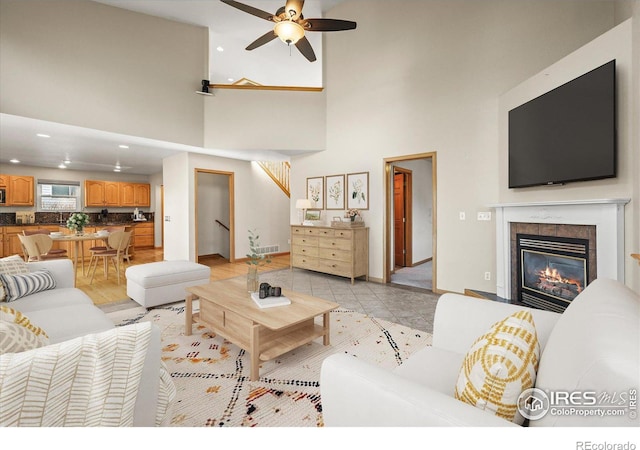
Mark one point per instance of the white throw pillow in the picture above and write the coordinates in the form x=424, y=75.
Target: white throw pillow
x=11, y=265
x=499, y=366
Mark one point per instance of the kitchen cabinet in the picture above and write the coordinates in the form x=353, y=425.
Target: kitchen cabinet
x=20, y=190
x=10, y=244
x=143, y=237
x=101, y=193
x=142, y=194
x=135, y=194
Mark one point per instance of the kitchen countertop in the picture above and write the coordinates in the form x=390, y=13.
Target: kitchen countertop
x=96, y=224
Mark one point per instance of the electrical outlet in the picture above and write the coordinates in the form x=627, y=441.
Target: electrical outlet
x=484, y=215
x=462, y=215
x=487, y=276
x=167, y=218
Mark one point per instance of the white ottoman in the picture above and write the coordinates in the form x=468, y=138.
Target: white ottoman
x=164, y=282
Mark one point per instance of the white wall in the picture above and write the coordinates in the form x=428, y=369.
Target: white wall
x=429, y=80
x=265, y=120
x=615, y=44
x=213, y=204
x=179, y=224
x=91, y=65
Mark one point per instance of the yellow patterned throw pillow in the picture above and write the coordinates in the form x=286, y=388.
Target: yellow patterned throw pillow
x=17, y=333
x=499, y=366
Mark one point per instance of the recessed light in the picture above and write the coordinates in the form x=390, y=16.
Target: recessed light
x=116, y=170
x=14, y=160
x=62, y=166
x=219, y=48
x=229, y=79
x=67, y=161
x=118, y=166
x=123, y=146
x=42, y=135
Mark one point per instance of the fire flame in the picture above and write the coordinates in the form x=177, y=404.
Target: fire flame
x=553, y=276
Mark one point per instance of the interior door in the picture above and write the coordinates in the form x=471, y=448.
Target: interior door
x=399, y=218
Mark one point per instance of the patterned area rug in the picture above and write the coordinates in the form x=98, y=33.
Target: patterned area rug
x=212, y=375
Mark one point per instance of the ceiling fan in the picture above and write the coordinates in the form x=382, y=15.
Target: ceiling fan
x=290, y=25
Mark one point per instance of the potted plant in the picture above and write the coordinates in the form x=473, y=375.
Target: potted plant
x=255, y=259
x=77, y=221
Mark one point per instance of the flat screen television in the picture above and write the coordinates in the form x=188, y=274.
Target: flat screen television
x=567, y=134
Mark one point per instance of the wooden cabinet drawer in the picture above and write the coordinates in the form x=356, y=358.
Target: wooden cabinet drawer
x=325, y=232
x=345, y=234
x=334, y=267
x=335, y=243
x=333, y=254
x=305, y=240
x=305, y=250
x=211, y=315
x=298, y=230
x=305, y=262
x=143, y=241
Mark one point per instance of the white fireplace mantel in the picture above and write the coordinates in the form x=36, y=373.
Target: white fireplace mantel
x=606, y=214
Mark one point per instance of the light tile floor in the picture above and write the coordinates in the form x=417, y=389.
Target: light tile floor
x=409, y=306
x=406, y=305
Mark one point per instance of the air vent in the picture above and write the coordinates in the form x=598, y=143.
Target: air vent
x=267, y=249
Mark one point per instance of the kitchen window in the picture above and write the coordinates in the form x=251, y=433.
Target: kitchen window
x=58, y=196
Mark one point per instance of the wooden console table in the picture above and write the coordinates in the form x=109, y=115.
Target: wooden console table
x=337, y=251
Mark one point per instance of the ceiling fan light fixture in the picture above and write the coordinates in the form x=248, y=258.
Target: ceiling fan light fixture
x=289, y=32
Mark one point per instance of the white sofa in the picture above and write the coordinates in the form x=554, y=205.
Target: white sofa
x=593, y=346
x=66, y=312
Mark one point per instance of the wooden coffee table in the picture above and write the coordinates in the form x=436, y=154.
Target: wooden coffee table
x=227, y=309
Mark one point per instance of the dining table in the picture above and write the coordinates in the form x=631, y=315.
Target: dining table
x=77, y=239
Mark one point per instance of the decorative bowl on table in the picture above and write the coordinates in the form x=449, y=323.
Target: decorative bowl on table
x=56, y=233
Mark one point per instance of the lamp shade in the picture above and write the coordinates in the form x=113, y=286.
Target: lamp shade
x=288, y=31
x=303, y=203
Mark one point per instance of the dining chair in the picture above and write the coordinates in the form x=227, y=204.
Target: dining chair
x=37, y=247
x=62, y=253
x=102, y=248
x=117, y=243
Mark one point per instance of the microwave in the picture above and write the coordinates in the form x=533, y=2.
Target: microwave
x=3, y=196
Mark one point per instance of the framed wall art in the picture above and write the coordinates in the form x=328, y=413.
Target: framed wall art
x=312, y=215
x=334, y=197
x=315, y=192
x=357, y=190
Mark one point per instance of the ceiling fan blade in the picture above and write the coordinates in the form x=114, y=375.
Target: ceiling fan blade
x=305, y=48
x=250, y=9
x=264, y=39
x=329, y=25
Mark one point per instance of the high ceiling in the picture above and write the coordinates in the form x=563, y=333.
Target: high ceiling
x=230, y=29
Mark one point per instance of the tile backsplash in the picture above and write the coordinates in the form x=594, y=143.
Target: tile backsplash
x=48, y=218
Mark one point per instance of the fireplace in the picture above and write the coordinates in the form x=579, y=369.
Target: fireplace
x=552, y=271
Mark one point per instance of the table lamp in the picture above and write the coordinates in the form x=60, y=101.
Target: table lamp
x=303, y=204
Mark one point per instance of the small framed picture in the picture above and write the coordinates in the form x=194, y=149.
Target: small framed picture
x=357, y=190
x=312, y=215
x=334, y=197
x=315, y=192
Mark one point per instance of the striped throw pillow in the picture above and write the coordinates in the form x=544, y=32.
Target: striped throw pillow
x=23, y=284
x=499, y=366
x=17, y=333
x=11, y=265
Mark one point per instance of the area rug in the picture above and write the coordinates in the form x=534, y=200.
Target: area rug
x=212, y=375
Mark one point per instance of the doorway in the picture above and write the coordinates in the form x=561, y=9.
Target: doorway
x=214, y=213
x=410, y=221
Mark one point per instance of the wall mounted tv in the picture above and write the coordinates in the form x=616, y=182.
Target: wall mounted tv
x=567, y=134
